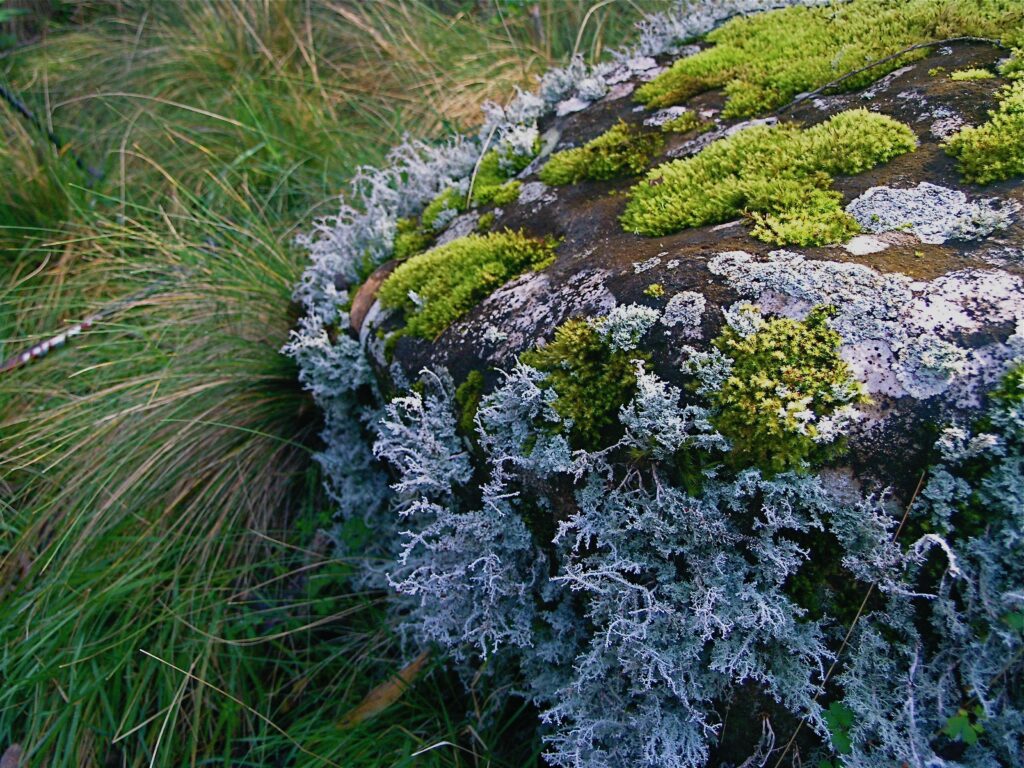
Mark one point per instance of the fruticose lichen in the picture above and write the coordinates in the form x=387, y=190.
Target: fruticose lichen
x=622, y=150
x=778, y=175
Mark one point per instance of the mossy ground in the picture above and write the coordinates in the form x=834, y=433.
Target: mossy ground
x=779, y=176
x=622, y=150
x=764, y=61
x=436, y=288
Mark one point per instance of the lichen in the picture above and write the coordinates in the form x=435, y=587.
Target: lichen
x=786, y=385
x=436, y=288
x=994, y=150
x=622, y=150
x=778, y=175
x=764, y=61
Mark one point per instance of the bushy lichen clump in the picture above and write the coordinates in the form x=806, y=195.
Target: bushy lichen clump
x=778, y=175
x=763, y=61
x=994, y=151
x=592, y=381
x=622, y=150
x=436, y=288
x=786, y=385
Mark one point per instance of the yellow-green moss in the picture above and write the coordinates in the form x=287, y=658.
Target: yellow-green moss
x=592, y=381
x=436, y=288
x=686, y=122
x=485, y=222
x=782, y=373
x=655, y=290
x=994, y=151
x=449, y=200
x=962, y=75
x=622, y=150
x=410, y=238
x=780, y=176
x=763, y=61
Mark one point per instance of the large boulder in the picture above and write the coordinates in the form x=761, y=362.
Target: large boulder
x=694, y=390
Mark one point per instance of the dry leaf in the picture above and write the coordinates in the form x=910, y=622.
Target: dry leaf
x=385, y=694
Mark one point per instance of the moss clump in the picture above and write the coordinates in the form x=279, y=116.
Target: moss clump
x=786, y=377
x=962, y=75
x=436, y=288
x=622, y=150
x=467, y=401
x=779, y=175
x=592, y=381
x=485, y=222
x=655, y=290
x=449, y=200
x=686, y=122
x=994, y=151
x=765, y=60
x=410, y=238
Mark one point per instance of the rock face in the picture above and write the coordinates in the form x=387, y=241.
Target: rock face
x=748, y=491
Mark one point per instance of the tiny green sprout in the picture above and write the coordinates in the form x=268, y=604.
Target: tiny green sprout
x=655, y=290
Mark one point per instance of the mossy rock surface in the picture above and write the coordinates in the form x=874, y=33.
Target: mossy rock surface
x=598, y=265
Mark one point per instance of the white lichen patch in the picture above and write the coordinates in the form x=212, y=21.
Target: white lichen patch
x=934, y=213
x=862, y=245
x=460, y=226
x=571, y=105
x=536, y=192
x=900, y=336
x=530, y=307
x=663, y=116
x=685, y=312
x=643, y=266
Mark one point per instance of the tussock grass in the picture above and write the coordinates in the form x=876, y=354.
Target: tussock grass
x=164, y=600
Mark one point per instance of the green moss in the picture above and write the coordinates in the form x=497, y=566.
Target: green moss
x=778, y=175
x=449, y=200
x=507, y=193
x=1010, y=392
x=622, y=150
x=783, y=372
x=410, y=239
x=763, y=61
x=994, y=151
x=485, y=222
x=491, y=185
x=451, y=279
x=961, y=75
x=686, y=122
x=467, y=401
x=592, y=381
x=655, y=290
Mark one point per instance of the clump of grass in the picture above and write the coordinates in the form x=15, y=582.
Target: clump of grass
x=786, y=376
x=622, y=150
x=780, y=176
x=436, y=288
x=994, y=150
x=765, y=60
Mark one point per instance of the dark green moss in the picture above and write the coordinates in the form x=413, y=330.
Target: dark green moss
x=622, y=150
x=411, y=239
x=785, y=376
x=592, y=381
x=467, y=401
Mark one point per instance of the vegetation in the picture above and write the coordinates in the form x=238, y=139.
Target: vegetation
x=622, y=150
x=686, y=122
x=164, y=599
x=994, y=151
x=436, y=288
x=779, y=176
x=963, y=75
x=786, y=381
x=765, y=60
x=592, y=379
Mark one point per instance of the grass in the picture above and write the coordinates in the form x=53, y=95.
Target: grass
x=164, y=600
